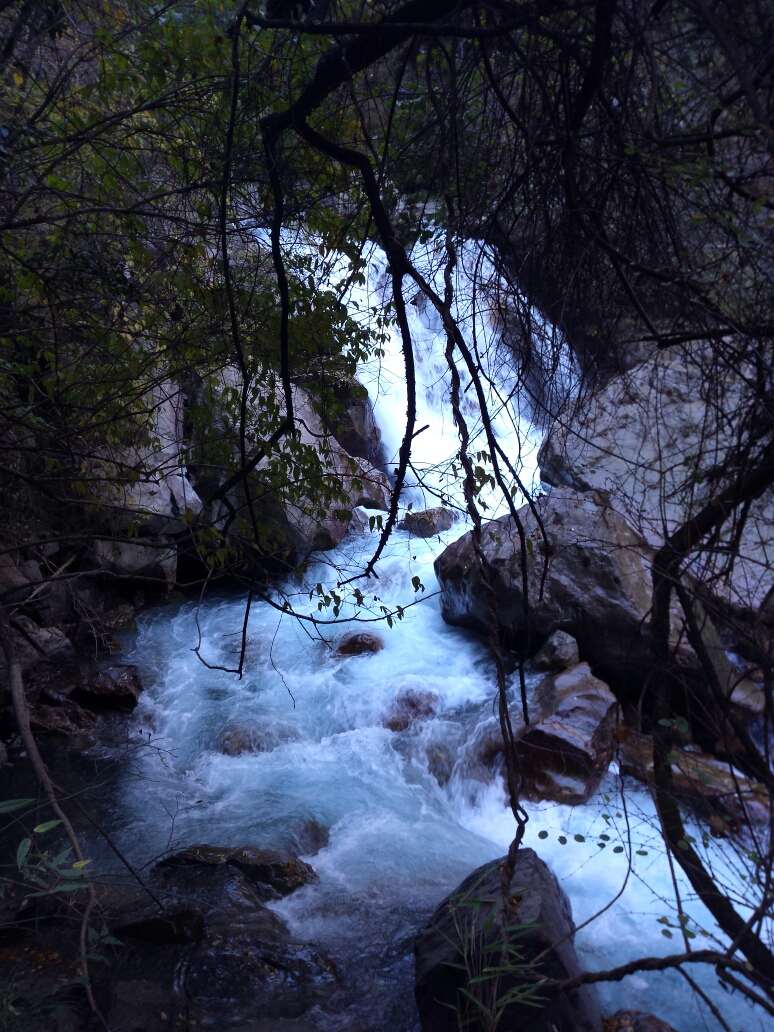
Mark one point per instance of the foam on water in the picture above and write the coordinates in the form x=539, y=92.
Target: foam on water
x=399, y=839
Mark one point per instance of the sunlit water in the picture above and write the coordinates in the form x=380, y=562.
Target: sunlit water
x=409, y=814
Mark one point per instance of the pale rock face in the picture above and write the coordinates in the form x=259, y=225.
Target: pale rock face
x=152, y=558
x=161, y=500
x=655, y=445
x=365, y=485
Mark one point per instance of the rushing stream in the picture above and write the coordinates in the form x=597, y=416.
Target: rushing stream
x=409, y=813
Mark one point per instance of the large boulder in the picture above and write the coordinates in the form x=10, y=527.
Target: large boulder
x=597, y=586
x=475, y=916
x=148, y=559
x=659, y=443
x=353, y=423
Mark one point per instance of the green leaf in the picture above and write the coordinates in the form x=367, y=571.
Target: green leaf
x=682, y=725
x=22, y=851
x=9, y=805
x=40, y=828
x=579, y=838
x=562, y=840
x=542, y=834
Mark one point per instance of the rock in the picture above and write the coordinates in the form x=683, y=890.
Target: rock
x=153, y=559
x=308, y=837
x=114, y=687
x=357, y=643
x=704, y=784
x=3, y=755
x=564, y=756
x=541, y=904
x=234, y=741
x=157, y=498
x=427, y=523
x=277, y=874
x=299, y=526
x=164, y=929
x=598, y=585
x=67, y=719
x=409, y=706
x=635, y=1021
x=655, y=441
x=18, y=580
x=558, y=652
x=354, y=426
x=139, y=1005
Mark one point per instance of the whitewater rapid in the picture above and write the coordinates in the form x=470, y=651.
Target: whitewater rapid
x=408, y=814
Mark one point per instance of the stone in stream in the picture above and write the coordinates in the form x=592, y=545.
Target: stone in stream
x=357, y=643
x=635, y=1021
x=567, y=749
x=427, y=523
x=271, y=872
x=564, y=756
x=235, y=741
x=475, y=911
x=214, y=953
x=114, y=687
x=409, y=706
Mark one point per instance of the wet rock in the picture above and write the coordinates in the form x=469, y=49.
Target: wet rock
x=276, y=874
x=558, y=652
x=114, y=687
x=63, y=719
x=163, y=929
x=635, y=1021
x=706, y=785
x=597, y=588
x=427, y=523
x=440, y=763
x=357, y=643
x=244, y=976
x=538, y=901
x=216, y=949
x=308, y=837
x=564, y=756
x=409, y=706
x=235, y=741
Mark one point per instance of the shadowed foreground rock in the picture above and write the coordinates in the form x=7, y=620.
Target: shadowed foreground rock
x=540, y=904
x=214, y=955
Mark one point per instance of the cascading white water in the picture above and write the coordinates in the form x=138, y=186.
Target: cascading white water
x=409, y=817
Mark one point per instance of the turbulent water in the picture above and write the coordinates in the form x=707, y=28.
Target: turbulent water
x=409, y=813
